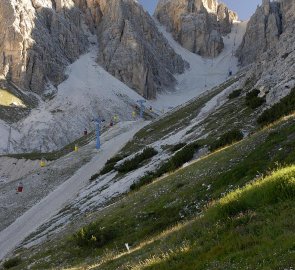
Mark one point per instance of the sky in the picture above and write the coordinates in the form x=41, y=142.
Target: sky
x=244, y=8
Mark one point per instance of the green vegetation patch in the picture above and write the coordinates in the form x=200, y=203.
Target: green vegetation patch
x=284, y=107
x=12, y=263
x=280, y=186
x=235, y=94
x=253, y=100
x=134, y=163
x=228, y=138
x=93, y=236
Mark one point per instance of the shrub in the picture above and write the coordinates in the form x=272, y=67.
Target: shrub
x=252, y=99
x=11, y=263
x=145, y=180
x=94, y=236
x=115, y=159
x=95, y=176
x=282, y=108
x=110, y=165
x=228, y=138
x=235, y=94
x=135, y=162
x=182, y=156
x=177, y=147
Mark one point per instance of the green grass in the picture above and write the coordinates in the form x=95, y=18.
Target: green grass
x=250, y=228
x=180, y=197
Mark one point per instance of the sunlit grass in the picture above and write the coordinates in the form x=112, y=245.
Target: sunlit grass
x=254, y=200
x=8, y=99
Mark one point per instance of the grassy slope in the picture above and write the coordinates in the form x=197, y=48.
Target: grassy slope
x=179, y=197
x=251, y=228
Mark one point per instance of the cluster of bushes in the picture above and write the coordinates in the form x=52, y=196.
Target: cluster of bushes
x=283, y=108
x=11, y=263
x=134, y=163
x=253, y=100
x=228, y=138
x=177, y=147
x=109, y=166
x=184, y=155
x=94, y=236
x=235, y=94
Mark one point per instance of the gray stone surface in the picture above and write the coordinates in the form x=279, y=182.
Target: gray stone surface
x=38, y=39
x=269, y=49
x=130, y=46
x=198, y=25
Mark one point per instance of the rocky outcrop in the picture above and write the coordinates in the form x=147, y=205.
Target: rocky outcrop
x=263, y=32
x=198, y=25
x=38, y=39
x=130, y=46
x=269, y=46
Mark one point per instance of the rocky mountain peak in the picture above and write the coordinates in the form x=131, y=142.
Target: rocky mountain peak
x=198, y=25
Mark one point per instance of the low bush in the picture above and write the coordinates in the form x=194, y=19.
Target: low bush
x=145, y=180
x=228, y=138
x=177, y=147
x=235, y=94
x=11, y=263
x=95, y=176
x=252, y=99
x=134, y=163
x=94, y=236
x=110, y=164
x=280, y=109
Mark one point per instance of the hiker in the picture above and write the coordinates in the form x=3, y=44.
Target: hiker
x=85, y=132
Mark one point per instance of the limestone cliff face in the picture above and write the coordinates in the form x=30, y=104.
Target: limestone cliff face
x=198, y=25
x=38, y=39
x=263, y=32
x=269, y=46
x=130, y=46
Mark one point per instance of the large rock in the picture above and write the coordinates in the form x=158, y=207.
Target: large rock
x=130, y=46
x=38, y=39
x=198, y=25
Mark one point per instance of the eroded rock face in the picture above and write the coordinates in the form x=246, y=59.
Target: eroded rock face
x=263, y=32
x=269, y=48
x=198, y=25
x=38, y=39
x=130, y=46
